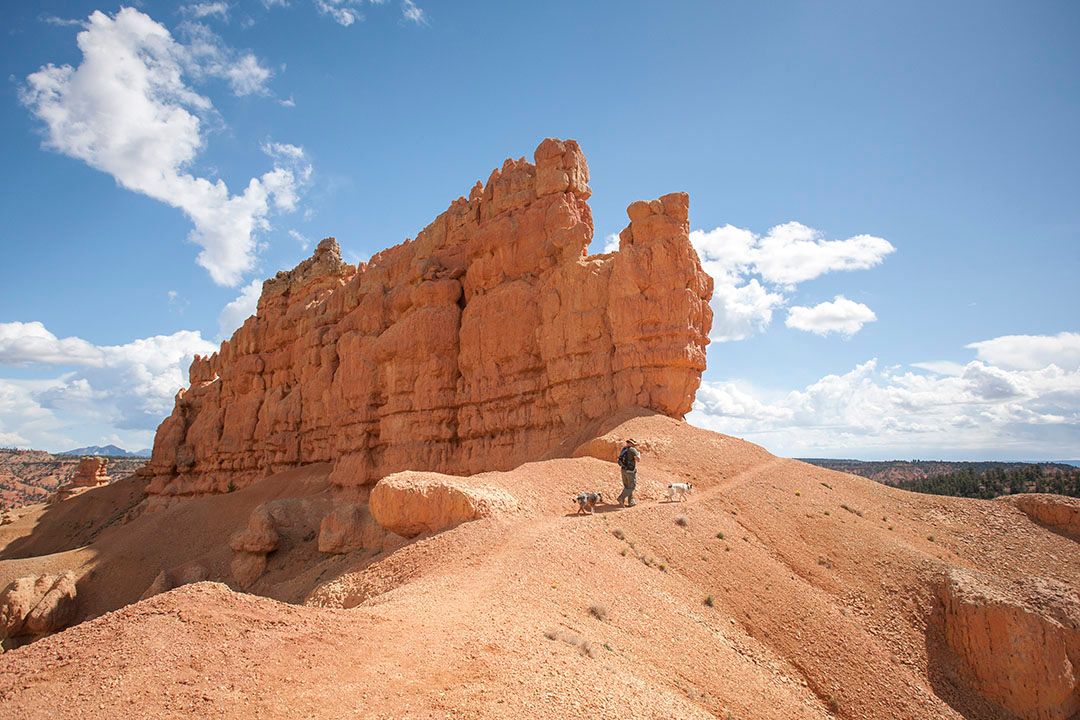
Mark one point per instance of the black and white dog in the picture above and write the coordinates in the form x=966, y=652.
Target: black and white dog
x=587, y=501
x=680, y=489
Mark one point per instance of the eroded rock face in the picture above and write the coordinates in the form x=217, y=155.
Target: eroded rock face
x=1057, y=512
x=35, y=606
x=90, y=473
x=477, y=346
x=1017, y=646
x=411, y=503
x=350, y=527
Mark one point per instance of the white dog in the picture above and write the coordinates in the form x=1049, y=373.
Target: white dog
x=679, y=489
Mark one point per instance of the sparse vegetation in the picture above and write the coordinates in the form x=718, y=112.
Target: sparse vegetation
x=231, y=487
x=825, y=562
x=584, y=646
x=798, y=494
x=833, y=704
x=598, y=611
x=719, y=536
x=853, y=511
x=623, y=552
x=619, y=534
x=682, y=521
x=930, y=538
x=710, y=601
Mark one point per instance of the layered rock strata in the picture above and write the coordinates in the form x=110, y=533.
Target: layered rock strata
x=90, y=473
x=479, y=345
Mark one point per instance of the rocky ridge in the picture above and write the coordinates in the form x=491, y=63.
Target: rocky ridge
x=482, y=343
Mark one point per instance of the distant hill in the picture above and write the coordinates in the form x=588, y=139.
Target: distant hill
x=30, y=476
x=964, y=479
x=106, y=451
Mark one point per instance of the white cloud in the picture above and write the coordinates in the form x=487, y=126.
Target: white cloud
x=341, y=11
x=981, y=410
x=126, y=110
x=207, y=9
x=843, y=316
x=127, y=388
x=237, y=311
x=1030, y=352
x=793, y=253
x=412, y=12
x=753, y=274
x=61, y=22
x=29, y=343
x=205, y=55
x=299, y=237
x=741, y=310
x=611, y=243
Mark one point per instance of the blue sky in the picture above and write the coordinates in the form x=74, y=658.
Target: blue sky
x=877, y=187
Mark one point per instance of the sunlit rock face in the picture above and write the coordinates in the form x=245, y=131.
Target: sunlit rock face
x=481, y=344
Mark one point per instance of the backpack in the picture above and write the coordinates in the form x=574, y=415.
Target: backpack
x=627, y=461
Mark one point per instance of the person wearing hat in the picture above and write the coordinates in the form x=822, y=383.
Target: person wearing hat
x=628, y=458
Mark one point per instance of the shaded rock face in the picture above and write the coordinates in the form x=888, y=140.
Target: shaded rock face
x=1056, y=512
x=280, y=524
x=477, y=346
x=351, y=527
x=1016, y=646
x=412, y=503
x=36, y=606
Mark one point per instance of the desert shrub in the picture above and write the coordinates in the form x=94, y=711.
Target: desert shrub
x=710, y=600
x=619, y=534
x=719, y=536
x=682, y=521
x=598, y=611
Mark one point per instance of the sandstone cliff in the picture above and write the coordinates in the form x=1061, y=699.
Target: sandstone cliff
x=479, y=345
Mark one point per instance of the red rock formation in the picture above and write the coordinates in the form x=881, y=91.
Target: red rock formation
x=90, y=473
x=1056, y=512
x=479, y=345
x=35, y=606
x=1016, y=645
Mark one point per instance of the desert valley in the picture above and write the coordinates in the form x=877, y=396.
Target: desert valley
x=361, y=506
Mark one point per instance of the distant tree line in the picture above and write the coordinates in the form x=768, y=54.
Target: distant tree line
x=990, y=483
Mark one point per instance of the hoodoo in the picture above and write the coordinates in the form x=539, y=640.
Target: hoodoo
x=483, y=343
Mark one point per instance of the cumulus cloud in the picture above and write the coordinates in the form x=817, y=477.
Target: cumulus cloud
x=127, y=387
x=30, y=342
x=1018, y=412
x=234, y=313
x=753, y=276
x=126, y=110
x=842, y=316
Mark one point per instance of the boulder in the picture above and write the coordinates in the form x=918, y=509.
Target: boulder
x=1015, y=644
x=34, y=606
x=247, y=568
x=260, y=535
x=410, y=503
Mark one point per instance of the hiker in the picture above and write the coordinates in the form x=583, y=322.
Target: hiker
x=628, y=458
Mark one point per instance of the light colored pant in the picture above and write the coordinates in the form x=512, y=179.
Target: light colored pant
x=629, y=484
